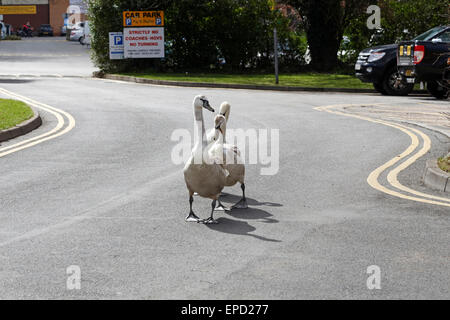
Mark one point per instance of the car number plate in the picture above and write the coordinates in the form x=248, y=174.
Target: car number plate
x=357, y=66
x=410, y=80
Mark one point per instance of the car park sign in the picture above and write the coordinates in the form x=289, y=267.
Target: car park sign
x=144, y=42
x=116, y=46
x=143, y=18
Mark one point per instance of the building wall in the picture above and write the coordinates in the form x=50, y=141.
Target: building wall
x=48, y=12
x=18, y=20
x=57, y=10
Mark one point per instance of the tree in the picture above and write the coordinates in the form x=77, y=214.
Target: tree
x=325, y=22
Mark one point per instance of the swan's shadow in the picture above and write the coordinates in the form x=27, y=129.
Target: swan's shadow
x=242, y=227
x=237, y=227
x=228, y=197
x=252, y=214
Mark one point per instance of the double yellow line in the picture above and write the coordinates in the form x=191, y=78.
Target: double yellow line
x=62, y=127
x=392, y=177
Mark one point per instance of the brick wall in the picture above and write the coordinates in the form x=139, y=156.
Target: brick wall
x=57, y=9
x=41, y=17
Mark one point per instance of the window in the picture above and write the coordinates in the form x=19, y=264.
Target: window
x=445, y=37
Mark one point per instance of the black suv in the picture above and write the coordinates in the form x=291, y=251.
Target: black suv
x=379, y=66
x=45, y=30
x=427, y=61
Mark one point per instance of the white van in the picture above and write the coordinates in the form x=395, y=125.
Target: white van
x=86, y=37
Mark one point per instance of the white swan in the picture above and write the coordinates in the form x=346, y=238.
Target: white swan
x=213, y=134
x=201, y=174
x=230, y=158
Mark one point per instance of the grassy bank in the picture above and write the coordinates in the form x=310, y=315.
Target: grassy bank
x=13, y=112
x=309, y=80
x=444, y=163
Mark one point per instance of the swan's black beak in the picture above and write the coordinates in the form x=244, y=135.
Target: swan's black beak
x=207, y=106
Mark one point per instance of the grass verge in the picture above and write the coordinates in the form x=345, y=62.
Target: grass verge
x=308, y=80
x=444, y=163
x=13, y=112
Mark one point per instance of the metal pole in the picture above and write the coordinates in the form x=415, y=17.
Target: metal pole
x=275, y=53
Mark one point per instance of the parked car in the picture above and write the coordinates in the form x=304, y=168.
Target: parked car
x=379, y=66
x=2, y=30
x=427, y=60
x=45, y=30
x=77, y=31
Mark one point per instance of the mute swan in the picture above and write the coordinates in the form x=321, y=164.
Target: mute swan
x=231, y=162
x=213, y=134
x=201, y=175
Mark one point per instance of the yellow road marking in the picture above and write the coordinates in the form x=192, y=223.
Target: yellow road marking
x=372, y=180
x=52, y=134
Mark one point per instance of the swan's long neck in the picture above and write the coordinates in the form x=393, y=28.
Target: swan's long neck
x=224, y=132
x=199, y=128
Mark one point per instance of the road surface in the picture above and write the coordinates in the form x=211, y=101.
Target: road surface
x=106, y=197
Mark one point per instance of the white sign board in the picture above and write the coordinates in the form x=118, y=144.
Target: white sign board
x=1, y=17
x=116, y=47
x=144, y=42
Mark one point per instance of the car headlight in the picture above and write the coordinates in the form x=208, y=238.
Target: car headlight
x=375, y=56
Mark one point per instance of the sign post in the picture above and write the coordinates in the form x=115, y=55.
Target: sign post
x=144, y=42
x=275, y=45
x=275, y=53
x=143, y=34
x=143, y=18
x=116, y=46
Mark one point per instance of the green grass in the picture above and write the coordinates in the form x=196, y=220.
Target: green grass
x=13, y=112
x=444, y=164
x=12, y=38
x=310, y=80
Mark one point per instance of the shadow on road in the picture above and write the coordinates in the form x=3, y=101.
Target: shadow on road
x=15, y=80
x=228, y=197
x=427, y=98
x=237, y=227
x=252, y=214
x=242, y=227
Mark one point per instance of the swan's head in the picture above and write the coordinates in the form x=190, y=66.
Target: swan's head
x=202, y=102
x=225, y=110
x=219, y=123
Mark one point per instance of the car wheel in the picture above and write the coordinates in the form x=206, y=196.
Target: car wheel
x=81, y=40
x=394, y=85
x=437, y=91
x=379, y=88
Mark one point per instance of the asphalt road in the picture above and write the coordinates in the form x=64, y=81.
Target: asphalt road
x=106, y=197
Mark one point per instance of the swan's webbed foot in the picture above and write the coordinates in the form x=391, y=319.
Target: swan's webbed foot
x=242, y=204
x=210, y=220
x=192, y=217
x=221, y=207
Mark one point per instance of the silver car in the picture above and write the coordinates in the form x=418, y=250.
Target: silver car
x=77, y=31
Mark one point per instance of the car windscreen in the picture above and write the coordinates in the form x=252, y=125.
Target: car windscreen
x=428, y=35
